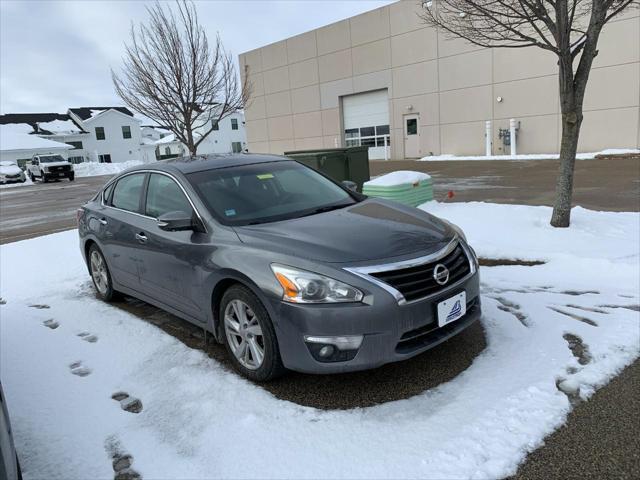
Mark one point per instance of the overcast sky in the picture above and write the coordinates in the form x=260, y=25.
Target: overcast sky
x=57, y=54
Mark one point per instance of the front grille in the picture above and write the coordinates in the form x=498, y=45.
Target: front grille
x=430, y=334
x=418, y=282
x=60, y=168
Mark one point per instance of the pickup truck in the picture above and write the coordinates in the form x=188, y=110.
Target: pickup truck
x=50, y=167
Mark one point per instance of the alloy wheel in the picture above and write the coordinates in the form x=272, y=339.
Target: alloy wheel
x=244, y=334
x=99, y=272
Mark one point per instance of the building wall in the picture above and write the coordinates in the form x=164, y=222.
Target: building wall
x=121, y=149
x=221, y=140
x=298, y=83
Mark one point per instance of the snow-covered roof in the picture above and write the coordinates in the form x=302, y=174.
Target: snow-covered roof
x=16, y=137
x=60, y=127
x=86, y=113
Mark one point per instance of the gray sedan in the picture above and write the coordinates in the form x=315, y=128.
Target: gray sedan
x=287, y=268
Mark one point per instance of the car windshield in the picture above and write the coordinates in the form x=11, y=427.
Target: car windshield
x=51, y=159
x=267, y=192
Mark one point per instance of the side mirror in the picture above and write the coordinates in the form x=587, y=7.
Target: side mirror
x=175, y=221
x=350, y=185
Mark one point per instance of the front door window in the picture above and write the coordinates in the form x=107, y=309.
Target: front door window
x=412, y=126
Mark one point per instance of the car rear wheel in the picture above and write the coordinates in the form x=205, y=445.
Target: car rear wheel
x=249, y=335
x=72, y=177
x=100, y=274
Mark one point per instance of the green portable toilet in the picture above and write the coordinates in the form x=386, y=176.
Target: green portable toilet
x=410, y=188
x=340, y=164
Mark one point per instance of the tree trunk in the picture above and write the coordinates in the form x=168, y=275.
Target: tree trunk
x=571, y=122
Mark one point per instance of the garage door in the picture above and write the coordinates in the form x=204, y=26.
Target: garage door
x=366, y=122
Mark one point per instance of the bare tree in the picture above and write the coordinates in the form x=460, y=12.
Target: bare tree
x=568, y=28
x=173, y=76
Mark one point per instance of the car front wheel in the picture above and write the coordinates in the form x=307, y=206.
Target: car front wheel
x=100, y=274
x=249, y=335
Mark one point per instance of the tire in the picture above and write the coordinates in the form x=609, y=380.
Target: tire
x=44, y=178
x=31, y=177
x=255, y=315
x=72, y=177
x=101, y=277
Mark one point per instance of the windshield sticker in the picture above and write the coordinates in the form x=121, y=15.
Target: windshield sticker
x=230, y=213
x=265, y=176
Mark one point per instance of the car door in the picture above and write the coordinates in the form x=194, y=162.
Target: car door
x=171, y=265
x=120, y=220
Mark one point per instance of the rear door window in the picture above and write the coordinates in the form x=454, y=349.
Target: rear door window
x=127, y=192
x=164, y=195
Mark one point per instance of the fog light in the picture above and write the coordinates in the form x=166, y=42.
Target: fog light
x=351, y=342
x=326, y=351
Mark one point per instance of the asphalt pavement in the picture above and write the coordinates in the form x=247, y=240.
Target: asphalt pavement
x=601, y=437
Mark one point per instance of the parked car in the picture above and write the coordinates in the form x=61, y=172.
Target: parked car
x=287, y=268
x=50, y=167
x=9, y=465
x=10, y=172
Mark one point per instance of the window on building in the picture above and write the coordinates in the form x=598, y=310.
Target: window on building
x=76, y=160
x=236, y=147
x=164, y=196
x=377, y=136
x=100, y=133
x=127, y=192
x=105, y=158
x=234, y=124
x=214, y=125
x=412, y=126
x=75, y=145
x=126, y=131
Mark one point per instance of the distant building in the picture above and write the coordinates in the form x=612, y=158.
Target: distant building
x=384, y=77
x=111, y=135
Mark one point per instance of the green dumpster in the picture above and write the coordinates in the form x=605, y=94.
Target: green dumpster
x=341, y=164
x=410, y=188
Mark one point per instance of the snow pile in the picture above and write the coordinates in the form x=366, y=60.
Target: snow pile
x=529, y=156
x=196, y=414
x=92, y=169
x=399, y=177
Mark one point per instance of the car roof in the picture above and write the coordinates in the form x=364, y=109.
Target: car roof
x=201, y=163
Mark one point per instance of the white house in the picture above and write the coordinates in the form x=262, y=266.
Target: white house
x=230, y=136
x=113, y=133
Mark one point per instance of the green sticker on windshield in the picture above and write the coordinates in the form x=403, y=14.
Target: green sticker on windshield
x=265, y=176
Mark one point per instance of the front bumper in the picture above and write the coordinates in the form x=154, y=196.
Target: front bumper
x=391, y=332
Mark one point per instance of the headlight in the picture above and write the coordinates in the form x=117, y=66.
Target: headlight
x=301, y=286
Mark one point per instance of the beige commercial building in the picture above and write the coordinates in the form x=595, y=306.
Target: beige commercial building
x=383, y=78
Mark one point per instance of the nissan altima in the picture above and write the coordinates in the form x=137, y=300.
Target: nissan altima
x=285, y=267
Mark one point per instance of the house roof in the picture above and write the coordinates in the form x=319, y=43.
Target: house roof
x=85, y=113
x=16, y=137
x=43, y=123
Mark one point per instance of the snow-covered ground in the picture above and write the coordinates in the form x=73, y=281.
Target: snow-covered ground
x=201, y=421
x=528, y=156
x=92, y=169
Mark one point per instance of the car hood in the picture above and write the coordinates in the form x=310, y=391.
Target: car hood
x=10, y=170
x=370, y=230
x=54, y=164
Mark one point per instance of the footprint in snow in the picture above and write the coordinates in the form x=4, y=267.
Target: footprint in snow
x=77, y=368
x=87, y=337
x=580, y=318
x=128, y=403
x=39, y=306
x=120, y=460
x=578, y=348
x=514, y=309
x=51, y=323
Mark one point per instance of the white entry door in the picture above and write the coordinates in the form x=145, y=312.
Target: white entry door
x=412, y=136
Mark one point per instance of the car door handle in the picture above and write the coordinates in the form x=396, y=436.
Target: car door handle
x=103, y=221
x=141, y=237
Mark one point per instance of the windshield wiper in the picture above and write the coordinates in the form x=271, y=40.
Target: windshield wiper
x=326, y=208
